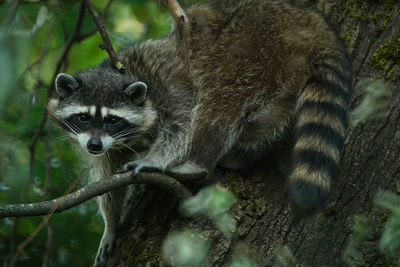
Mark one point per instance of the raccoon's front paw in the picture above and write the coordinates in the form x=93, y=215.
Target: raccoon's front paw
x=187, y=172
x=105, y=250
x=138, y=166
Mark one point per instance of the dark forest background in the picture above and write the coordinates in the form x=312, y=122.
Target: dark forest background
x=359, y=227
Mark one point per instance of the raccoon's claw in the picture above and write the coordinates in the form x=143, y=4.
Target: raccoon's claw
x=138, y=166
x=189, y=171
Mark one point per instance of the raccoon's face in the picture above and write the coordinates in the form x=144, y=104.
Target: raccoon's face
x=101, y=110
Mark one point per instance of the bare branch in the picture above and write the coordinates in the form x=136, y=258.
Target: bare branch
x=106, y=40
x=90, y=33
x=92, y=190
x=177, y=12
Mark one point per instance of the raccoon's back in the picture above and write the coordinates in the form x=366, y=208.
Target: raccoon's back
x=255, y=43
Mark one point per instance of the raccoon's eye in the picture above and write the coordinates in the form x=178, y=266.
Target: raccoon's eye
x=112, y=119
x=83, y=117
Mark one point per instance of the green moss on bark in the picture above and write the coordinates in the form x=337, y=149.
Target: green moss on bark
x=386, y=53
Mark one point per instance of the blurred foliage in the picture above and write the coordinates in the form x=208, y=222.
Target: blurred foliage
x=363, y=228
x=243, y=261
x=188, y=248
x=390, y=240
x=29, y=50
x=284, y=257
x=213, y=202
x=185, y=248
x=376, y=101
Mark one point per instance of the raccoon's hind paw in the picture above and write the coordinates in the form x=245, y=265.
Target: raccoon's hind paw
x=307, y=198
x=187, y=172
x=139, y=166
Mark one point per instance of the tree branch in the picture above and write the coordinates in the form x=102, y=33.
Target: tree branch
x=92, y=190
x=106, y=40
x=90, y=33
x=177, y=12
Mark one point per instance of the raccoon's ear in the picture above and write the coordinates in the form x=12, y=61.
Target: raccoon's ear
x=65, y=84
x=136, y=92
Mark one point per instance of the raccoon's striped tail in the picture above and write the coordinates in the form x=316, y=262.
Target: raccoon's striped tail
x=320, y=131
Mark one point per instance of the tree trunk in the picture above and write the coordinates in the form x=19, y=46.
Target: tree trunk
x=264, y=217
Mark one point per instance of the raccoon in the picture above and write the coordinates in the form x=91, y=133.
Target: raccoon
x=115, y=118
x=230, y=78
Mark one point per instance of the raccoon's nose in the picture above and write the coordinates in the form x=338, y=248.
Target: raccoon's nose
x=95, y=144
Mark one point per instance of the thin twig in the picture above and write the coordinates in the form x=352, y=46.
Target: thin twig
x=85, y=35
x=48, y=159
x=106, y=40
x=46, y=219
x=90, y=33
x=70, y=42
x=43, y=192
x=92, y=190
x=106, y=8
x=12, y=12
x=22, y=245
x=39, y=81
x=49, y=242
x=13, y=244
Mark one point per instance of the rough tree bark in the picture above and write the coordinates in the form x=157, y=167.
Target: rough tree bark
x=264, y=216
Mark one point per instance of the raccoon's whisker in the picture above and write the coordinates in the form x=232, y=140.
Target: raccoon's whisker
x=130, y=137
x=66, y=124
x=149, y=133
x=63, y=137
x=108, y=154
x=116, y=147
x=75, y=127
x=131, y=149
x=71, y=129
x=126, y=131
x=119, y=149
x=71, y=126
x=123, y=134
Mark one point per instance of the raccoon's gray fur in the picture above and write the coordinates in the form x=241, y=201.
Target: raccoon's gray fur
x=231, y=77
x=117, y=117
